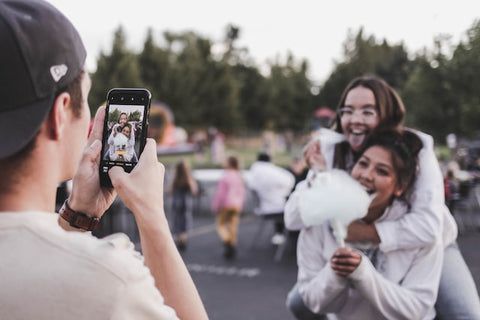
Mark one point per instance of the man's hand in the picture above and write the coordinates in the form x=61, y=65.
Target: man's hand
x=344, y=261
x=142, y=189
x=87, y=194
x=314, y=157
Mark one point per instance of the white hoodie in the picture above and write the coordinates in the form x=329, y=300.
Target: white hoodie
x=402, y=285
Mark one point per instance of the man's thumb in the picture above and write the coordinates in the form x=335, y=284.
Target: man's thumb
x=116, y=174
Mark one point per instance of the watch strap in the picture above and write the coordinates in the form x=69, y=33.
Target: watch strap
x=78, y=219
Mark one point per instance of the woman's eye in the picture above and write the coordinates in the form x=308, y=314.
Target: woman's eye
x=346, y=111
x=382, y=172
x=369, y=113
x=362, y=164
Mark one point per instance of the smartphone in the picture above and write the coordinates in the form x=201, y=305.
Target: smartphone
x=124, y=129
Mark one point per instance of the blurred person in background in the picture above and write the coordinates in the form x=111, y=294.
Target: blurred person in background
x=182, y=189
x=272, y=185
x=227, y=203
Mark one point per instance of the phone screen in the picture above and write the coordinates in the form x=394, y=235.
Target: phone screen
x=124, y=130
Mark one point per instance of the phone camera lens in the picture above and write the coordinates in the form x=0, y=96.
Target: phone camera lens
x=132, y=98
x=121, y=98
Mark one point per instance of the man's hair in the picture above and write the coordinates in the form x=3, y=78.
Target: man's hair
x=263, y=156
x=74, y=88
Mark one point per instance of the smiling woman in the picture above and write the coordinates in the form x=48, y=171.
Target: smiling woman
x=387, y=169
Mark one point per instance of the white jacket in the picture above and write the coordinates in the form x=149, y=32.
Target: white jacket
x=404, y=284
x=272, y=185
x=429, y=218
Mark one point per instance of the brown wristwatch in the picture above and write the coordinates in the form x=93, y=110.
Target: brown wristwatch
x=78, y=219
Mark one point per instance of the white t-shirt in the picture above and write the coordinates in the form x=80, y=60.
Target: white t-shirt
x=49, y=273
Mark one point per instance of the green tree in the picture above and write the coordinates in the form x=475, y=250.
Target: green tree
x=465, y=76
x=118, y=69
x=114, y=115
x=290, y=105
x=155, y=68
x=134, y=116
x=428, y=95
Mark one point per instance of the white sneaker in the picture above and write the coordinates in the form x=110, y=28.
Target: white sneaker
x=278, y=239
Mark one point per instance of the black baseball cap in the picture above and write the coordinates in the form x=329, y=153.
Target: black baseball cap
x=41, y=53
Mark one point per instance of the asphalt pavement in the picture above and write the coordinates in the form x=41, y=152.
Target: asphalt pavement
x=251, y=286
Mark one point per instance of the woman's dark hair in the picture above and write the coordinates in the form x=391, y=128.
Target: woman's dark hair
x=390, y=107
x=180, y=179
x=129, y=126
x=404, y=147
x=233, y=162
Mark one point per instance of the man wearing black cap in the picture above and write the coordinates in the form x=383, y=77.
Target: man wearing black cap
x=47, y=270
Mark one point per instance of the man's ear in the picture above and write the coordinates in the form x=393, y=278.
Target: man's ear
x=57, y=118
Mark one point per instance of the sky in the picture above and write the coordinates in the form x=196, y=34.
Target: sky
x=309, y=29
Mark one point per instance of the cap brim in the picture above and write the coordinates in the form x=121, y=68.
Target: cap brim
x=19, y=125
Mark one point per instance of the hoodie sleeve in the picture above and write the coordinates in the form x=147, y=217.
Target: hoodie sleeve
x=321, y=289
x=427, y=218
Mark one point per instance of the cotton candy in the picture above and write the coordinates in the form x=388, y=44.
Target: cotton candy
x=333, y=195
x=120, y=141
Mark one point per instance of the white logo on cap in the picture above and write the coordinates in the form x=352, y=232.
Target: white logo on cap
x=58, y=72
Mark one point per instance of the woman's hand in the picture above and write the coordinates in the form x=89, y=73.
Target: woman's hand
x=344, y=261
x=314, y=157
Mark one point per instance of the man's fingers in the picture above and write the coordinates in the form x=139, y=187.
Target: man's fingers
x=94, y=149
x=116, y=174
x=97, y=129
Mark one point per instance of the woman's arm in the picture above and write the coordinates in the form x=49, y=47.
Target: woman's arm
x=291, y=216
x=192, y=183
